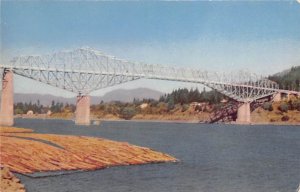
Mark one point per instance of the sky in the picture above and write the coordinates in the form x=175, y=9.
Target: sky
x=261, y=36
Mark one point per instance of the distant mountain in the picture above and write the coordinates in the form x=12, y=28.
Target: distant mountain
x=123, y=95
x=288, y=79
x=128, y=95
x=44, y=99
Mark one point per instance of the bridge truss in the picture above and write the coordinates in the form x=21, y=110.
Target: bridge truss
x=85, y=70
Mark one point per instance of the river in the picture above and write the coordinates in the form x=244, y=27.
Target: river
x=213, y=158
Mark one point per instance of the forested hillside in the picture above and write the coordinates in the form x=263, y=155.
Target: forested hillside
x=288, y=79
x=185, y=96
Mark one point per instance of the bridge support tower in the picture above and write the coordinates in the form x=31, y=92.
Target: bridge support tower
x=243, y=114
x=277, y=97
x=82, y=110
x=288, y=96
x=7, y=99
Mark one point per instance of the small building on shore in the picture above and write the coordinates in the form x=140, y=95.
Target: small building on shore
x=48, y=113
x=199, y=106
x=144, y=105
x=30, y=112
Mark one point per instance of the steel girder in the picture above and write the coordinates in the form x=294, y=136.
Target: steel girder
x=85, y=70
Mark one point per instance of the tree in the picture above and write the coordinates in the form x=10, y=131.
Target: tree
x=171, y=104
x=19, y=111
x=288, y=80
x=283, y=107
x=128, y=112
x=268, y=106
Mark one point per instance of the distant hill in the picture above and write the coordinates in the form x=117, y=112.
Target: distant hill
x=288, y=79
x=44, y=99
x=128, y=95
x=123, y=95
x=283, y=73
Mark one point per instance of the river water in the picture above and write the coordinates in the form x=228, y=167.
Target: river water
x=213, y=158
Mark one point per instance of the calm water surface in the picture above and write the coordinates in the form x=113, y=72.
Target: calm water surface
x=214, y=158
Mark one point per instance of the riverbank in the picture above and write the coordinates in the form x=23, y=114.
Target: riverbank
x=190, y=115
x=275, y=116
x=256, y=117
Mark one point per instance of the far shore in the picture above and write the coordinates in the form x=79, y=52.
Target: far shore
x=192, y=121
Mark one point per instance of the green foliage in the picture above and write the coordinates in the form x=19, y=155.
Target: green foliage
x=284, y=107
x=294, y=104
x=268, y=106
x=19, y=111
x=69, y=108
x=128, y=112
x=162, y=108
x=289, y=80
x=113, y=108
x=185, y=96
x=21, y=108
x=56, y=107
x=184, y=107
x=171, y=104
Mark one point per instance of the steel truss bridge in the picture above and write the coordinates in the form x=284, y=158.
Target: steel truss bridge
x=85, y=70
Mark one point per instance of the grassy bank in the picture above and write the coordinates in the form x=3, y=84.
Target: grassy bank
x=276, y=116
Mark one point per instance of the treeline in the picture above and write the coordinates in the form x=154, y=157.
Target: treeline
x=185, y=96
x=55, y=107
x=166, y=103
x=177, y=100
x=289, y=81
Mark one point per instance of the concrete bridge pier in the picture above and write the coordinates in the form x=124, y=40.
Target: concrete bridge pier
x=243, y=114
x=288, y=96
x=82, y=110
x=277, y=97
x=7, y=100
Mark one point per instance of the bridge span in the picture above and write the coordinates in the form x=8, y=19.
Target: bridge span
x=84, y=70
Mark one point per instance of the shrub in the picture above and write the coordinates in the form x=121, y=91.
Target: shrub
x=295, y=104
x=268, y=106
x=128, y=112
x=285, y=118
x=284, y=107
x=19, y=111
x=184, y=107
x=162, y=108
